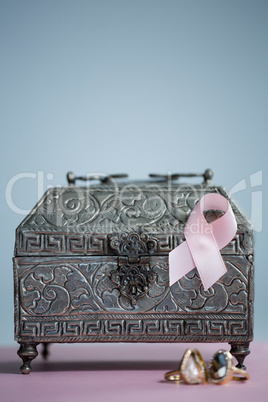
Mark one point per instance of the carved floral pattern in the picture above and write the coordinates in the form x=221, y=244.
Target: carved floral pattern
x=55, y=290
x=104, y=210
x=82, y=286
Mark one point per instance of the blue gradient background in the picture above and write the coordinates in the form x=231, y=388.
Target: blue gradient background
x=137, y=87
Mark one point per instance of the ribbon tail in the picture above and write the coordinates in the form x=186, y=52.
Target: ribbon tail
x=211, y=274
x=180, y=262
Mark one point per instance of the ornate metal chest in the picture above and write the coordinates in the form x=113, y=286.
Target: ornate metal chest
x=91, y=265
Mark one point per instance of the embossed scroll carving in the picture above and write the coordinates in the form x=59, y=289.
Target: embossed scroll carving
x=55, y=289
x=87, y=285
x=104, y=210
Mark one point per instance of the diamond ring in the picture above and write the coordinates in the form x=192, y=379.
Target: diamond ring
x=192, y=369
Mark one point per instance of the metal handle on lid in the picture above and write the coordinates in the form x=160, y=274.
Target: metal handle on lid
x=71, y=178
x=207, y=175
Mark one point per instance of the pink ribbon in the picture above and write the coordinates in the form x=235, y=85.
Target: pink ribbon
x=203, y=242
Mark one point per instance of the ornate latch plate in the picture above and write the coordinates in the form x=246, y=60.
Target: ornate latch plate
x=133, y=276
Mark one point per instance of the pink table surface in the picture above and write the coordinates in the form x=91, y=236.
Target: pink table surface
x=123, y=372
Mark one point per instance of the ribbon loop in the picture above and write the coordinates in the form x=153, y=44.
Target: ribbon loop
x=203, y=242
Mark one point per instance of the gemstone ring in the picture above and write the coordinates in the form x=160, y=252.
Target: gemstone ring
x=192, y=369
x=222, y=370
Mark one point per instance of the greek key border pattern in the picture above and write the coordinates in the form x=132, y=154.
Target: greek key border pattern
x=131, y=329
x=39, y=243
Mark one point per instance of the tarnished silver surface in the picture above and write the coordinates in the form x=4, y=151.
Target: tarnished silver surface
x=91, y=264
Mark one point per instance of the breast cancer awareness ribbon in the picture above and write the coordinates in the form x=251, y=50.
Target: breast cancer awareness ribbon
x=203, y=243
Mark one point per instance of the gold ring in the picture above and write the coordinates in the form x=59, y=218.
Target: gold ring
x=192, y=369
x=222, y=370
